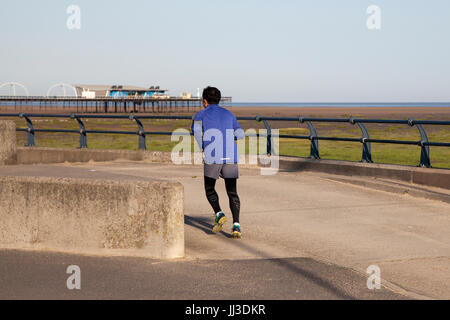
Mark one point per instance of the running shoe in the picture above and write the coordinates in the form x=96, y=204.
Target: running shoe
x=236, y=231
x=220, y=221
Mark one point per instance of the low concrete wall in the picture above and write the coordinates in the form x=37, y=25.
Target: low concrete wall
x=143, y=218
x=8, y=153
x=425, y=176
x=37, y=155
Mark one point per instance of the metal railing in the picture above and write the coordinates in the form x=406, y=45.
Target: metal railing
x=313, y=136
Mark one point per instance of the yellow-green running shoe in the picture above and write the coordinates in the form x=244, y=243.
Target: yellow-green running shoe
x=220, y=221
x=236, y=231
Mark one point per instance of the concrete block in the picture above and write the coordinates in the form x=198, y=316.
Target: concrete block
x=8, y=149
x=138, y=218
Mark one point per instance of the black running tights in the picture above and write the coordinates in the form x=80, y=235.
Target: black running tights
x=213, y=197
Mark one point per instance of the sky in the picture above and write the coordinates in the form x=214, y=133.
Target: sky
x=252, y=50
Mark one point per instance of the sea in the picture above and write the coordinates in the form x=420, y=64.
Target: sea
x=342, y=104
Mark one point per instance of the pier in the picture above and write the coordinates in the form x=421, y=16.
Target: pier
x=128, y=104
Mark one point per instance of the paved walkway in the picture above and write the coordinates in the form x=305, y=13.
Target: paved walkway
x=305, y=236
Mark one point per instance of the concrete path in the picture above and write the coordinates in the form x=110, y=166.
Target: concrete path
x=305, y=236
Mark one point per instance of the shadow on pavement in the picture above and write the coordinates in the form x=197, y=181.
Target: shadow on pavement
x=201, y=224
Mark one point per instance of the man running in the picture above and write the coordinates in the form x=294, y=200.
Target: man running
x=216, y=130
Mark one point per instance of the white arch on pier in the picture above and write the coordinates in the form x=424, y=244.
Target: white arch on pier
x=63, y=86
x=13, y=85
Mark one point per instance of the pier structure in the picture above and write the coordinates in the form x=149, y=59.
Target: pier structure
x=105, y=99
x=136, y=104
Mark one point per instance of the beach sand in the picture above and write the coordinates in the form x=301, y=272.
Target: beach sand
x=435, y=113
x=401, y=113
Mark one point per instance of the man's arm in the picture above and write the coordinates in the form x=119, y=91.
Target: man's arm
x=197, y=130
x=238, y=132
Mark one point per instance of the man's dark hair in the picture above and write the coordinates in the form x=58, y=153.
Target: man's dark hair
x=212, y=95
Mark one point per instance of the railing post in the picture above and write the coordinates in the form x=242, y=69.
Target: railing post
x=367, y=148
x=140, y=132
x=425, y=149
x=314, y=153
x=269, y=138
x=83, y=137
x=30, y=134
